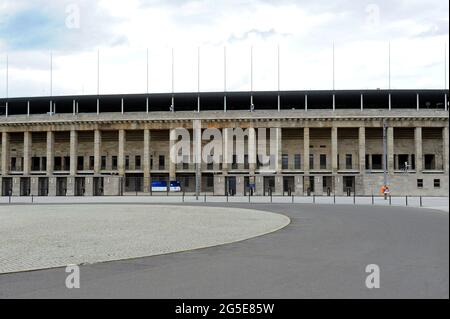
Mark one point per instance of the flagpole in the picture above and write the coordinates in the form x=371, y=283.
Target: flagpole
x=224, y=78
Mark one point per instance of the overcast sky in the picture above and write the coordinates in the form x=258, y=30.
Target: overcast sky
x=304, y=31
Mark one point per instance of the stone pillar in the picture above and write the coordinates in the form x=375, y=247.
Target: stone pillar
x=334, y=149
x=318, y=185
x=445, y=150
x=73, y=153
x=362, y=149
x=34, y=186
x=16, y=186
x=172, y=157
x=240, y=185
x=121, y=153
x=278, y=185
x=252, y=150
x=390, y=150
x=97, y=150
x=89, y=186
x=279, y=155
x=226, y=153
x=70, y=184
x=418, y=149
x=259, y=185
x=219, y=185
x=5, y=153
x=306, y=150
x=146, y=158
x=298, y=181
x=51, y=186
x=26, y=153
x=50, y=152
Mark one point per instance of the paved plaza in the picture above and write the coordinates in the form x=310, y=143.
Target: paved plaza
x=44, y=236
x=322, y=253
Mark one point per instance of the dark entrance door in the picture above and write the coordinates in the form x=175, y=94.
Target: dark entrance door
x=230, y=187
x=288, y=185
x=6, y=186
x=24, y=186
x=269, y=184
x=80, y=186
x=349, y=184
x=43, y=186
x=98, y=186
x=61, y=186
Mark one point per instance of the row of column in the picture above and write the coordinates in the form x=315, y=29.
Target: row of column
x=251, y=151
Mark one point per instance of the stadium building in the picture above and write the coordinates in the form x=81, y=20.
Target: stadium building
x=329, y=142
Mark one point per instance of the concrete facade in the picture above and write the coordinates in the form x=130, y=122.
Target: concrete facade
x=317, y=152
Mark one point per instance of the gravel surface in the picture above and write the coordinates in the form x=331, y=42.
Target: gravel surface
x=45, y=236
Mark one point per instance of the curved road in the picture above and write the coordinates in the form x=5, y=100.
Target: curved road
x=322, y=253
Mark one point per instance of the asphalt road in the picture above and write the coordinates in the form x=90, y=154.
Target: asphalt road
x=322, y=253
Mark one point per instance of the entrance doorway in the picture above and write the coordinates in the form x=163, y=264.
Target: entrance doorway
x=61, y=186
x=43, y=186
x=288, y=185
x=269, y=185
x=349, y=184
x=6, y=186
x=25, y=186
x=80, y=186
x=230, y=185
x=134, y=182
x=98, y=186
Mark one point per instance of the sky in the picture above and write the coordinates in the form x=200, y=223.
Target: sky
x=124, y=35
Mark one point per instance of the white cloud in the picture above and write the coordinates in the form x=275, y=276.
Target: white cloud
x=124, y=29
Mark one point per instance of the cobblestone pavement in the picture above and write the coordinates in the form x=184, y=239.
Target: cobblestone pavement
x=44, y=236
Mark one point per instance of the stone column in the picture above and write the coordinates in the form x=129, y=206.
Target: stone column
x=146, y=158
x=225, y=153
x=50, y=152
x=26, y=153
x=5, y=153
x=252, y=150
x=279, y=155
x=390, y=150
x=97, y=150
x=334, y=149
x=445, y=150
x=172, y=164
x=362, y=149
x=121, y=153
x=306, y=150
x=73, y=153
x=418, y=149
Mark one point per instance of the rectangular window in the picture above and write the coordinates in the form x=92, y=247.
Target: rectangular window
x=403, y=161
x=437, y=183
x=91, y=162
x=35, y=163
x=127, y=162
x=377, y=161
x=114, y=163
x=151, y=161
x=137, y=162
x=311, y=161
x=57, y=163
x=297, y=161
x=367, y=161
x=413, y=161
x=66, y=163
x=348, y=161
x=420, y=183
x=323, y=161
x=13, y=164
x=430, y=161
x=285, y=161
x=162, y=162
x=103, y=163
x=210, y=163
x=43, y=163
x=80, y=163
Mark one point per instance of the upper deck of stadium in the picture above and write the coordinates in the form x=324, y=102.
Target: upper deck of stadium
x=436, y=99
